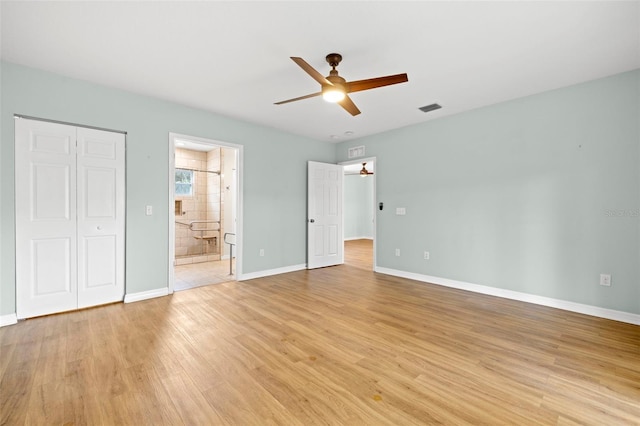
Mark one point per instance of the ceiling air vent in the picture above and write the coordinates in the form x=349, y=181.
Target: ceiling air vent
x=356, y=151
x=431, y=107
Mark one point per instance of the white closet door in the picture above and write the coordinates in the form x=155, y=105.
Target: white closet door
x=70, y=207
x=101, y=222
x=46, y=265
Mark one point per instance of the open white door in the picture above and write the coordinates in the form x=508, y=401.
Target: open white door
x=325, y=239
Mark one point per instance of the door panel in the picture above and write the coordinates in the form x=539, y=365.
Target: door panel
x=325, y=233
x=332, y=208
x=45, y=218
x=100, y=194
x=332, y=245
x=45, y=203
x=51, y=275
x=45, y=139
x=94, y=147
x=100, y=261
x=318, y=238
x=100, y=217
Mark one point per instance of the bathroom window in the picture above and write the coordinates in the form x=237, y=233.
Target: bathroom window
x=184, y=182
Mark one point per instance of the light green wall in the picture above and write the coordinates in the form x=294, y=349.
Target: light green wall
x=514, y=196
x=519, y=195
x=358, y=207
x=274, y=196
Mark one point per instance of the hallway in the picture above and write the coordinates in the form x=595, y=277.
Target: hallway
x=359, y=253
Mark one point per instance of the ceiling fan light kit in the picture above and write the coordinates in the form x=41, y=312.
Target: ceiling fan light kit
x=333, y=94
x=334, y=88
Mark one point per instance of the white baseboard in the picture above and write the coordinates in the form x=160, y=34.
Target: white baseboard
x=132, y=297
x=358, y=238
x=515, y=295
x=269, y=272
x=8, y=320
x=144, y=295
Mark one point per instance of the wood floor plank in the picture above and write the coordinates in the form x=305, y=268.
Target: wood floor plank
x=148, y=397
x=296, y=403
x=340, y=345
x=190, y=403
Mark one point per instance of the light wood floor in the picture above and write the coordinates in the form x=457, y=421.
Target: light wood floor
x=359, y=254
x=333, y=346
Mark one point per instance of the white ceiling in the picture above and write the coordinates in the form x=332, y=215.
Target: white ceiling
x=232, y=58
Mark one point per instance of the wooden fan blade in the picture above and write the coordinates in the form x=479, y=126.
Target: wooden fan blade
x=311, y=71
x=298, y=99
x=348, y=104
x=372, y=83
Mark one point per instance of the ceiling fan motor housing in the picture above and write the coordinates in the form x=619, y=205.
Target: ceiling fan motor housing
x=334, y=59
x=336, y=80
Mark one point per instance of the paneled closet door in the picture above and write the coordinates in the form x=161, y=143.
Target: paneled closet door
x=46, y=264
x=101, y=206
x=70, y=224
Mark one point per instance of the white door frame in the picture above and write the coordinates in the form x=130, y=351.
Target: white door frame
x=369, y=160
x=172, y=188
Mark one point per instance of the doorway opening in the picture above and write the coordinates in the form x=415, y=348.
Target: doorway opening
x=204, y=225
x=360, y=213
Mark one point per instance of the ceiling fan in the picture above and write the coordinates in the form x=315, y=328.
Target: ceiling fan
x=336, y=89
x=364, y=172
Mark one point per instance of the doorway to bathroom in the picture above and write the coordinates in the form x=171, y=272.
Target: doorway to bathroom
x=205, y=200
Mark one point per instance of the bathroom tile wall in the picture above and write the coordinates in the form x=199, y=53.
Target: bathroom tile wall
x=194, y=207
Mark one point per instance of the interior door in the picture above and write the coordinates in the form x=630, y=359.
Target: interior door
x=325, y=239
x=45, y=176
x=101, y=207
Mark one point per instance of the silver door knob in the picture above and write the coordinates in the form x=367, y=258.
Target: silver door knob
x=99, y=227
x=312, y=220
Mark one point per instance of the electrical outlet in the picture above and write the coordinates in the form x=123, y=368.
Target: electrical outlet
x=605, y=280
x=261, y=252
x=149, y=210
x=397, y=252
x=426, y=255
x=401, y=211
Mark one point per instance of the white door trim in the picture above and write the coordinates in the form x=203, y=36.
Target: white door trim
x=172, y=216
x=67, y=123
x=369, y=160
